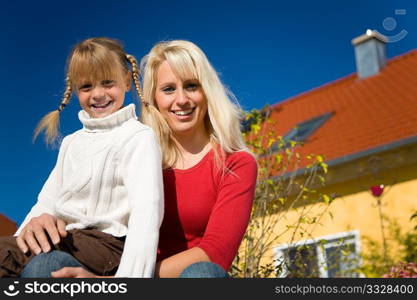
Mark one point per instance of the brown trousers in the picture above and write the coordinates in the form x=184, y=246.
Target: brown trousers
x=99, y=252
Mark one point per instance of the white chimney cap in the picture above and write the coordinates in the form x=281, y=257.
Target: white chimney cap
x=369, y=35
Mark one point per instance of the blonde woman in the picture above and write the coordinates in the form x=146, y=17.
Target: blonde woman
x=209, y=175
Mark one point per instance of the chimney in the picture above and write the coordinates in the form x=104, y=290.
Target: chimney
x=369, y=53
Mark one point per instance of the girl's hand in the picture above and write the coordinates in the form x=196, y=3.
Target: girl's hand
x=70, y=272
x=34, y=237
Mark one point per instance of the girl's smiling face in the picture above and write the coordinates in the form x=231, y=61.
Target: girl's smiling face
x=103, y=97
x=181, y=101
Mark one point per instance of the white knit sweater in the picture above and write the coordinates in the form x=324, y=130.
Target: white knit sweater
x=108, y=176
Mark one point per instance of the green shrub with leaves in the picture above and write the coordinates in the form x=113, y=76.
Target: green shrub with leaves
x=401, y=252
x=282, y=187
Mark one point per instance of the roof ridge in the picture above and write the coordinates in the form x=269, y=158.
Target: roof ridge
x=340, y=80
x=5, y=217
x=402, y=56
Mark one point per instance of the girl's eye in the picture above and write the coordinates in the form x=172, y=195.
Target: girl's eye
x=107, y=83
x=85, y=87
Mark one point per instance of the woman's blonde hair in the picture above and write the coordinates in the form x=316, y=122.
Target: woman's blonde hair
x=91, y=60
x=222, y=120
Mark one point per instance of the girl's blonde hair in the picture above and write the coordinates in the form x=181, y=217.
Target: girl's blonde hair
x=222, y=120
x=92, y=60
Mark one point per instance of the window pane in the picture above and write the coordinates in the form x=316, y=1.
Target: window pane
x=303, y=130
x=302, y=262
x=341, y=260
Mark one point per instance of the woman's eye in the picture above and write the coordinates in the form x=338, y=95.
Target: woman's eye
x=191, y=87
x=168, y=89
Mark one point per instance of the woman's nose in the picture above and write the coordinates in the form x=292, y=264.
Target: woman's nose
x=182, y=97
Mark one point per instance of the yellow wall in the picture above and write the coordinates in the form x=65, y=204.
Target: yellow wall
x=356, y=208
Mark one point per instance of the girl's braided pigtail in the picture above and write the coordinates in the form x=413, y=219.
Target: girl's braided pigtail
x=150, y=114
x=50, y=122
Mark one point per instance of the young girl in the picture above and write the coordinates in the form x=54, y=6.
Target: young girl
x=107, y=183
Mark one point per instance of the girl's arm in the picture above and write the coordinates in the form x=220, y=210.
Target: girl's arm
x=44, y=205
x=34, y=235
x=40, y=221
x=142, y=175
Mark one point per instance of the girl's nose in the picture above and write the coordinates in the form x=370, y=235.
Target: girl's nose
x=98, y=93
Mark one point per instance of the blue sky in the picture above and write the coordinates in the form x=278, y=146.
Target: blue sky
x=264, y=51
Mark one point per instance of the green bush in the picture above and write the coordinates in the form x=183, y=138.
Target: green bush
x=281, y=187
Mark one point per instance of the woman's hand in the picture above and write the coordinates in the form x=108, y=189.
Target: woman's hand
x=71, y=272
x=34, y=236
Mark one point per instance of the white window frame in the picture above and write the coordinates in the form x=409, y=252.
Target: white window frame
x=350, y=237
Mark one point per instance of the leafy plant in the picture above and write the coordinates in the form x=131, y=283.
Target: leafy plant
x=401, y=251
x=282, y=187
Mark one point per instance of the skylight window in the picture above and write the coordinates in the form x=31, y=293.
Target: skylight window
x=302, y=131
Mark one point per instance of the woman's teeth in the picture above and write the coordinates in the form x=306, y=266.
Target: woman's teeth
x=184, y=112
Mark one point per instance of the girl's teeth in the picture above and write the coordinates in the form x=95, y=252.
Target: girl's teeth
x=101, y=106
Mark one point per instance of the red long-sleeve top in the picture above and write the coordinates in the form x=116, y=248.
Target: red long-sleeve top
x=207, y=207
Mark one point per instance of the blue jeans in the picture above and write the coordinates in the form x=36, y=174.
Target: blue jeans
x=203, y=270
x=43, y=264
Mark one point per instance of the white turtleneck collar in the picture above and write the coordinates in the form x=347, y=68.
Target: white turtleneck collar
x=109, y=122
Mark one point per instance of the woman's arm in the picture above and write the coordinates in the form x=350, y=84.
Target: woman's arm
x=230, y=215
x=172, y=266
x=227, y=222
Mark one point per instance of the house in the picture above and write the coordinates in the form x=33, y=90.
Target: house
x=7, y=226
x=365, y=125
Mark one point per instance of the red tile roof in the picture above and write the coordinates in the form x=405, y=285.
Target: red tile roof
x=7, y=226
x=368, y=113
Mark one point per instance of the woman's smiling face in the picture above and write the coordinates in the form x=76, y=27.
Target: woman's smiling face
x=181, y=101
